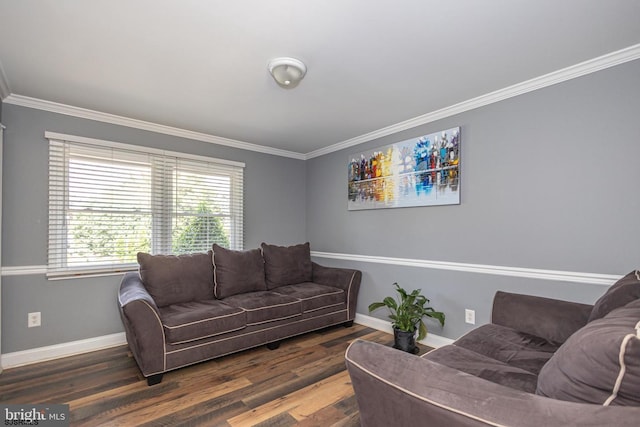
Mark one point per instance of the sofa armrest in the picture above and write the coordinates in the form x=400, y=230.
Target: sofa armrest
x=551, y=319
x=144, y=330
x=396, y=388
x=343, y=278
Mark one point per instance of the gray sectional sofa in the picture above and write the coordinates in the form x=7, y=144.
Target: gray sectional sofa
x=180, y=310
x=541, y=362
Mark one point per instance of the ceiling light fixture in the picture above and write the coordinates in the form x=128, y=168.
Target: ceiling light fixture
x=287, y=72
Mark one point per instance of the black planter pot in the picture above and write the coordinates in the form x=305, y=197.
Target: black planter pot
x=405, y=341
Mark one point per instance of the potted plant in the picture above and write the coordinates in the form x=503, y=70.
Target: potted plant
x=406, y=316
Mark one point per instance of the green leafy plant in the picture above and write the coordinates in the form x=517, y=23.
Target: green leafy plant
x=407, y=312
x=199, y=232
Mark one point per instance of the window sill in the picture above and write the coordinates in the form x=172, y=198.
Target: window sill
x=90, y=272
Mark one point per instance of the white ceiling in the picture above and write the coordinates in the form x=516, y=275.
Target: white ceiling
x=202, y=65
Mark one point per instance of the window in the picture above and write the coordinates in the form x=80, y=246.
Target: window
x=108, y=201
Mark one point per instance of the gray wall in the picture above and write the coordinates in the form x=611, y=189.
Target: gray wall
x=549, y=181
x=85, y=308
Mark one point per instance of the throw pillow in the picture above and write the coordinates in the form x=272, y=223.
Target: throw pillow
x=600, y=363
x=174, y=279
x=287, y=265
x=620, y=293
x=237, y=272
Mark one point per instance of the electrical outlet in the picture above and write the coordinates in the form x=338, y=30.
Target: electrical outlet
x=34, y=319
x=470, y=316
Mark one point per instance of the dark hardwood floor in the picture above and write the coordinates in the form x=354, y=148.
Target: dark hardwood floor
x=304, y=382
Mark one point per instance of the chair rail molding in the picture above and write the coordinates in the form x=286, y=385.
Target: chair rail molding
x=531, y=273
x=23, y=270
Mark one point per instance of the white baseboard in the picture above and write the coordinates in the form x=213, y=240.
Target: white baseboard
x=431, y=340
x=42, y=354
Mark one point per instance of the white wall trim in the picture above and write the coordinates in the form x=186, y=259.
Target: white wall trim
x=612, y=59
x=23, y=270
x=57, y=351
x=431, y=340
x=531, y=273
x=83, y=113
x=42, y=354
x=27, y=270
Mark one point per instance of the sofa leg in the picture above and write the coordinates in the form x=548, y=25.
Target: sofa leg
x=154, y=379
x=273, y=345
x=348, y=324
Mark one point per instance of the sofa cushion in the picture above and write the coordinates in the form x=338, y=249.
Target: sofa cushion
x=509, y=346
x=314, y=296
x=620, y=293
x=287, y=265
x=265, y=306
x=195, y=320
x=554, y=320
x=237, y=272
x=172, y=279
x=485, y=367
x=598, y=364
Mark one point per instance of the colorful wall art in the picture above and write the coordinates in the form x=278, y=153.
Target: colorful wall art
x=423, y=171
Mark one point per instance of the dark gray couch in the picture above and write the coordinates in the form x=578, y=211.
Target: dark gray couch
x=541, y=362
x=180, y=310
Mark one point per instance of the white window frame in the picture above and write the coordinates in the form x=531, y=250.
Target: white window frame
x=161, y=224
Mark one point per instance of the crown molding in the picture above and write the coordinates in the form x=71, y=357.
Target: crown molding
x=4, y=84
x=609, y=60
x=83, y=113
x=497, y=270
x=612, y=59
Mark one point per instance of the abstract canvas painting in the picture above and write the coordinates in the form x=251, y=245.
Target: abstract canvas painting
x=422, y=171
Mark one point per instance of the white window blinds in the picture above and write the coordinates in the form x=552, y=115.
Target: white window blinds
x=109, y=201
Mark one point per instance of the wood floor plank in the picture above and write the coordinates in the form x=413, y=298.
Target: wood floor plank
x=66, y=382
x=352, y=421
x=345, y=339
x=313, y=399
x=304, y=382
x=180, y=388
x=326, y=416
x=313, y=395
x=337, y=332
x=205, y=415
x=299, y=382
x=280, y=420
x=120, y=401
x=168, y=407
x=348, y=405
x=288, y=362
